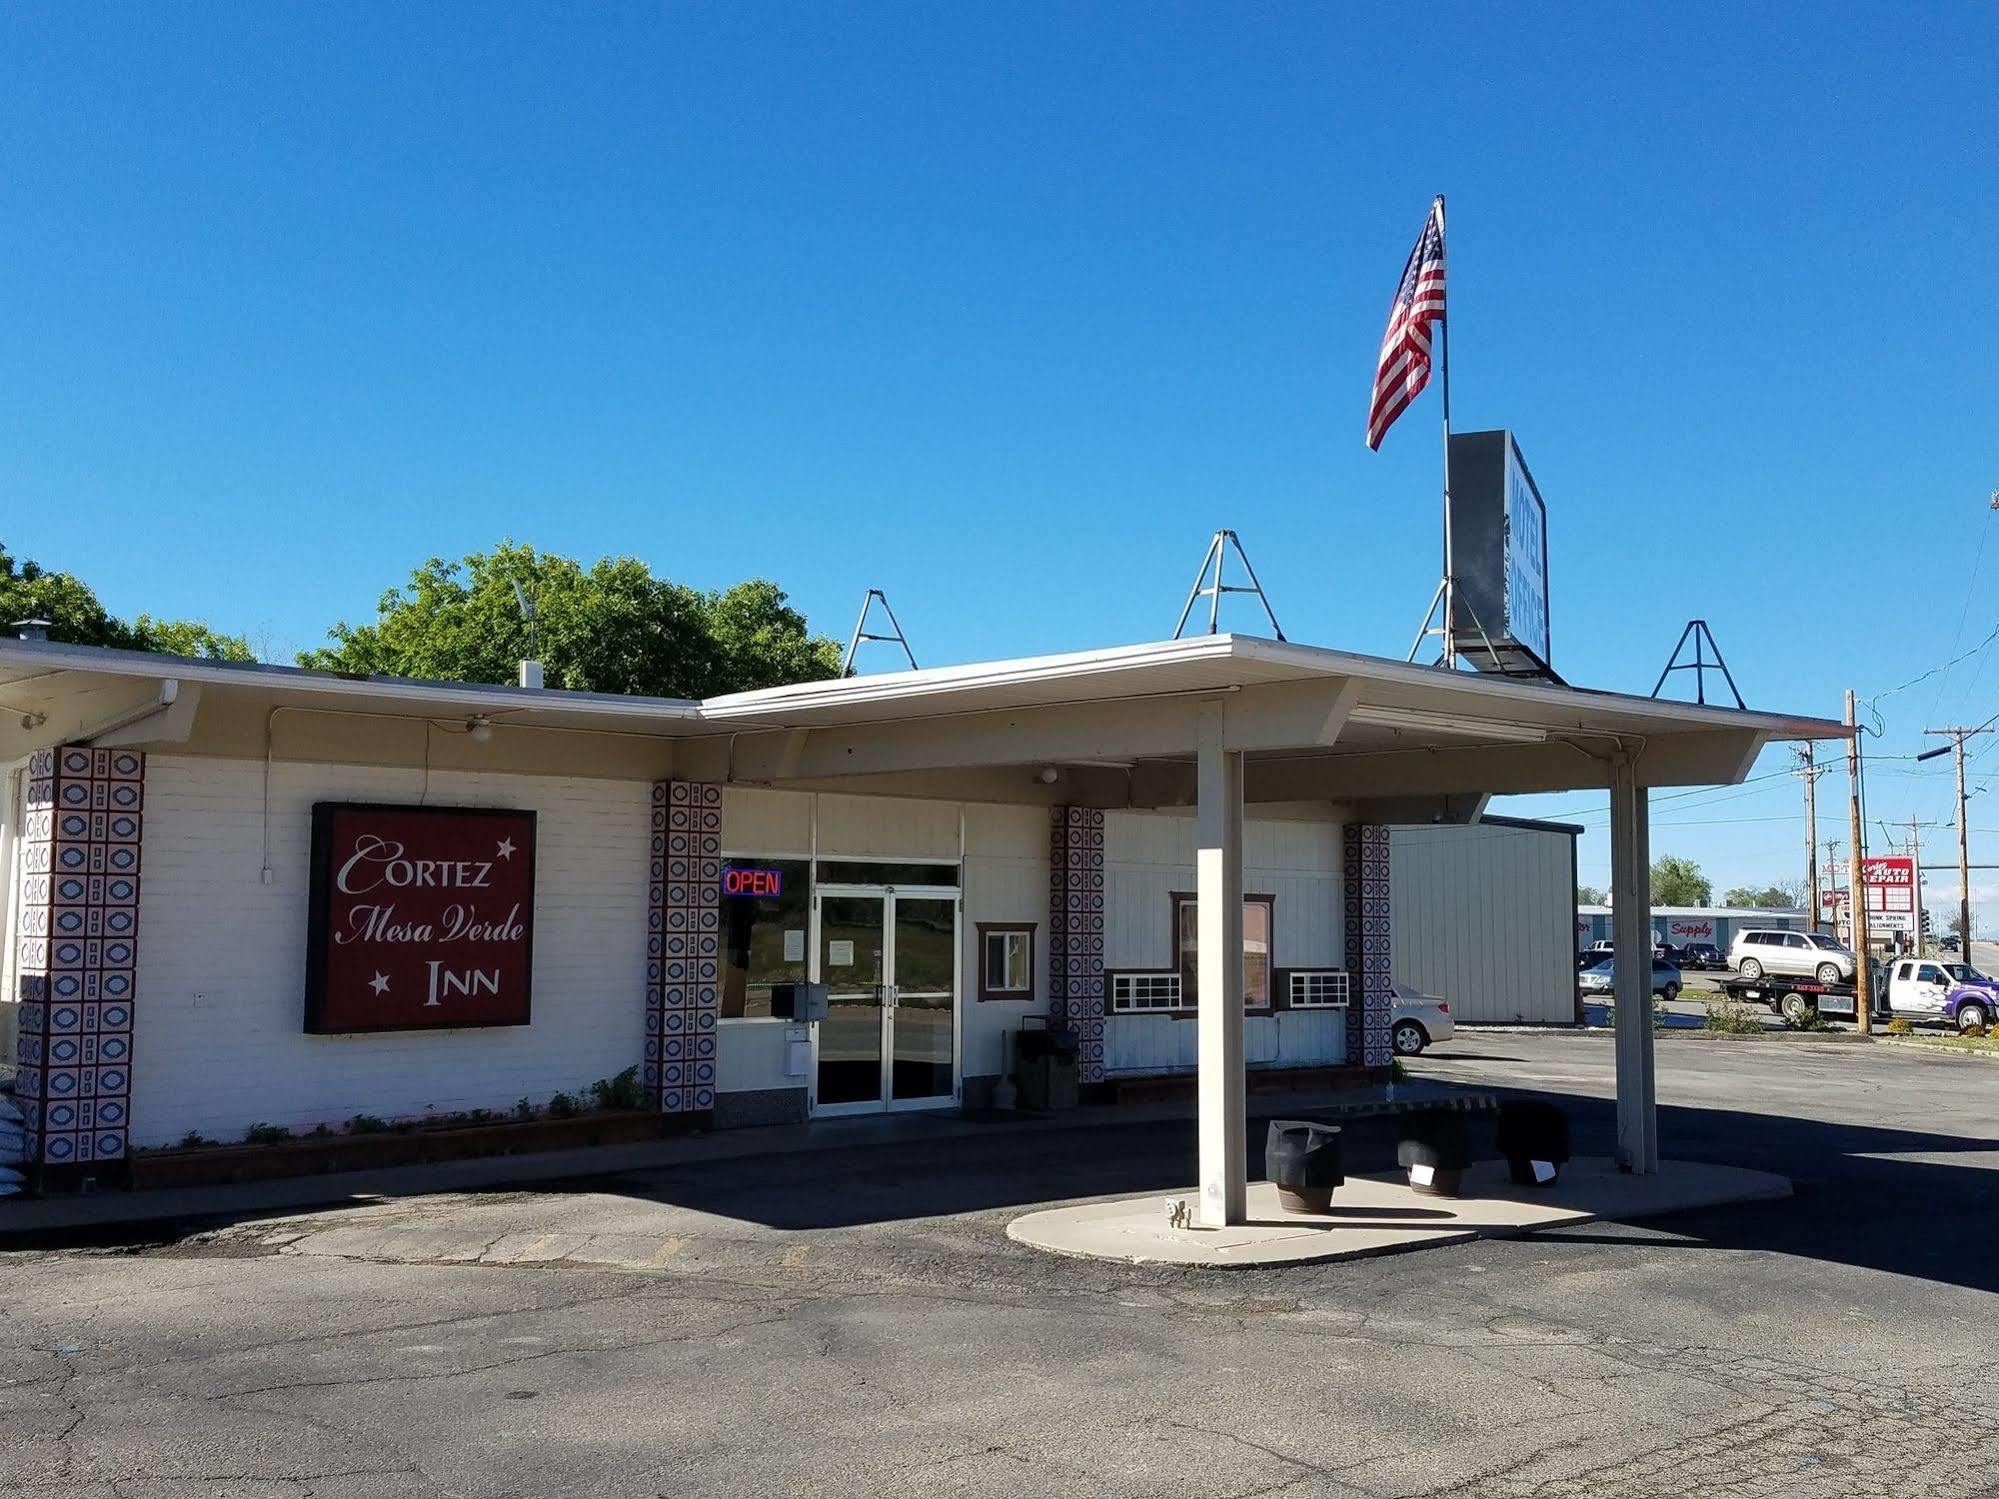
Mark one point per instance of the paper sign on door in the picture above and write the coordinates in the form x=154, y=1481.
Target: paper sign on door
x=794, y=945
x=840, y=954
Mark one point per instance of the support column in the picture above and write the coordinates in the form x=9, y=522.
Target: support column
x=78, y=960
x=1631, y=932
x=1369, y=948
x=684, y=947
x=1218, y=892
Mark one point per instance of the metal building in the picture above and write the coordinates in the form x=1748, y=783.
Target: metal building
x=1680, y=925
x=1481, y=918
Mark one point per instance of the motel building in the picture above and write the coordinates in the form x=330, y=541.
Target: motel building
x=243, y=894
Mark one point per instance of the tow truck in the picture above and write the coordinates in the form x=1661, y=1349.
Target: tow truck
x=1916, y=989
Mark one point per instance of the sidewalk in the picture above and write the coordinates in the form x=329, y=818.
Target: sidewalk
x=30, y=1222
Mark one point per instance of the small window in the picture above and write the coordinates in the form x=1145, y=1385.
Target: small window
x=1792, y=939
x=1929, y=973
x=1256, y=948
x=1006, y=961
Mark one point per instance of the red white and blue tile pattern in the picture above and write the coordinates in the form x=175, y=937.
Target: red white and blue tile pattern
x=1076, y=932
x=1369, y=955
x=78, y=969
x=684, y=946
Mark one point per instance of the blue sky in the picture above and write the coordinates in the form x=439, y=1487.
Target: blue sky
x=1005, y=309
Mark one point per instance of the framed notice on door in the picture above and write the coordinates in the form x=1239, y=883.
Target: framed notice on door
x=422, y=918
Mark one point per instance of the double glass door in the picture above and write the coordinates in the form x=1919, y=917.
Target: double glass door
x=889, y=960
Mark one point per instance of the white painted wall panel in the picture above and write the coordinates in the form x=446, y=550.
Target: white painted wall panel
x=770, y=823
x=219, y=1044
x=1484, y=917
x=887, y=827
x=1005, y=878
x=1140, y=1045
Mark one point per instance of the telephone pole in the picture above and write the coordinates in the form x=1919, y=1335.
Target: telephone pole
x=1831, y=846
x=1957, y=735
x=1809, y=771
x=1863, y=978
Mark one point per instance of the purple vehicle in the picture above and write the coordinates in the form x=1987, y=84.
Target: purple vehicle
x=1955, y=994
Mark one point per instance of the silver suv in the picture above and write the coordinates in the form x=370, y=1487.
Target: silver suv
x=1805, y=955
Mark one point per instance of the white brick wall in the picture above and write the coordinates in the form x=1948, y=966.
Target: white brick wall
x=219, y=1043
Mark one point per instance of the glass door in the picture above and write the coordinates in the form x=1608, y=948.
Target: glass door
x=923, y=1018
x=889, y=960
x=853, y=964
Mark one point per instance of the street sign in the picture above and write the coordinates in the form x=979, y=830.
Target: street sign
x=1888, y=885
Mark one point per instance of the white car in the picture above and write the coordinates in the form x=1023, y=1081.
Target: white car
x=1418, y=1021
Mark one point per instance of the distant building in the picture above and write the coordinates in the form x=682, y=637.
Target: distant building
x=1680, y=925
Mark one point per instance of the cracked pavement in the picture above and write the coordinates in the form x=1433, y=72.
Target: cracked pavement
x=856, y=1323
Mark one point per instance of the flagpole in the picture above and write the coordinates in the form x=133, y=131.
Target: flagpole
x=1444, y=355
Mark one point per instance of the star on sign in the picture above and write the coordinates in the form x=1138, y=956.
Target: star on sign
x=506, y=848
x=379, y=982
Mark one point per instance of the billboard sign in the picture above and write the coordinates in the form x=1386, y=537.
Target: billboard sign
x=1499, y=556
x=1888, y=885
x=421, y=918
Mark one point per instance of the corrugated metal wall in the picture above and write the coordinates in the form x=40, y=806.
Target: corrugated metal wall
x=1484, y=917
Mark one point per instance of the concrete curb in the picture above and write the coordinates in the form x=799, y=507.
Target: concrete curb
x=1936, y=1048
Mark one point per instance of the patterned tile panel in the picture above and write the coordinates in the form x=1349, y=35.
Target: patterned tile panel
x=683, y=946
x=1076, y=932
x=80, y=853
x=1369, y=958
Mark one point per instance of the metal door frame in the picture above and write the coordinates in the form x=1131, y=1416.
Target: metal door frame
x=887, y=895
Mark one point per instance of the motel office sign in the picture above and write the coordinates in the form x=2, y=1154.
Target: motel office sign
x=422, y=918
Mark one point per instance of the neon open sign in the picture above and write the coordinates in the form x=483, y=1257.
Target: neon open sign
x=752, y=882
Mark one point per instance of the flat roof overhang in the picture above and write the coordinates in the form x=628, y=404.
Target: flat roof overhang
x=1117, y=726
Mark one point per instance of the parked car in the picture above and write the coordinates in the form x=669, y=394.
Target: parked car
x=1949, y=942
x=1665, y=952
x=1805, y=955
x=1601, y=979
x=1952, y=993
x=1703, y=956
x=1418, y=1021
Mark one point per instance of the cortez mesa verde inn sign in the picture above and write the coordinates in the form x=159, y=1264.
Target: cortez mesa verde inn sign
x=422, y=917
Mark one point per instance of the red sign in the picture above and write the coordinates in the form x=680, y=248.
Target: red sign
x=1679, y=929
x=740, y=880
x=422, y=918
x=1889, y=887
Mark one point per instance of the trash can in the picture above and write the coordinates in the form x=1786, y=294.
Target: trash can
x=1304, y=1162
x=1533, y=1136
x=1436, y=1148
x=1047, y=1069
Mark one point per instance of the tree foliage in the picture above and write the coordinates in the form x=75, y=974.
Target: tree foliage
x=1679, y=882
x=1788, y=895
x=611, y=627
x=76, y=617
x=1588, y=895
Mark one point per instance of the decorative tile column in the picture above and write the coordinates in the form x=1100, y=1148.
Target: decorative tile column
x=683, y=946
x=1076, y=932
x=79, y=928
x=1368, y=951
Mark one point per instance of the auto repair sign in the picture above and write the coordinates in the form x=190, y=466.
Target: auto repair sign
x=1888, y=884
x=421, y=918
x=1680, y=930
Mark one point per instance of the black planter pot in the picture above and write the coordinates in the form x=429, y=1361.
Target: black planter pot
x=1534, y=1137
x=1304, y=1162
x=1436, y=1149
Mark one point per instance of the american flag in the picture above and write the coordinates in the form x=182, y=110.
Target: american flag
x=1404, y=367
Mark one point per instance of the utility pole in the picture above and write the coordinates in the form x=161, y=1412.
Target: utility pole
x=1809, y=772
x=1863, y=978
x=1832, y=877
x=1957, y=736
x=1915, y=828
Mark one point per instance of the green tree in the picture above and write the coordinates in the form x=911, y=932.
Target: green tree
x=76, y=617
x=1679, y=882
x=1768, y=897
x=1588, y=895
x=612, y=627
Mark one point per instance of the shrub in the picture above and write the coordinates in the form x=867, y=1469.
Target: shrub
x=266, y=1134
x=524, y=1110
x=1900, y=1027
x=367, y=1124
x=621, y=1092
x=562, y=1106
x=320, y=1131
x=1973, y=1030
x=1813, y=1021
x=194, y=1139
x=1732, y=1017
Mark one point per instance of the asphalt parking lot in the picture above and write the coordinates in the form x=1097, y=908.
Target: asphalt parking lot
x=855, y=1322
